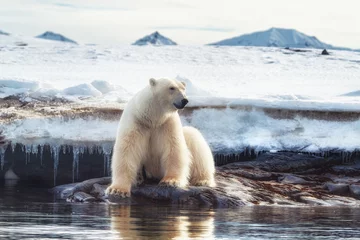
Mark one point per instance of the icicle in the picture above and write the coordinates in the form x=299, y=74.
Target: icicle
x=76, y=152
x=100, y=150
x=13, y=147
x=91, y=150
x=29, y=149
x=41, y=154
x=2, y=157
x=105, y=166
x=34, y=149
x=82, y=150
x=55, y=154
x=106, y=149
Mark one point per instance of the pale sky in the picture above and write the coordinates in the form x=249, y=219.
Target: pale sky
x=186, y=22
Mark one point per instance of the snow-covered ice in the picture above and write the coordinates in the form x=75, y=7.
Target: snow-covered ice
x=216, y=76
x=241, y=75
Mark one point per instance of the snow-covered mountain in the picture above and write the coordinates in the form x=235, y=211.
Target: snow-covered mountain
x=154, y=39
x=55, y=37
x=3, y=33
x=277, y=37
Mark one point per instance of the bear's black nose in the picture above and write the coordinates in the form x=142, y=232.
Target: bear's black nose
x=184, y=102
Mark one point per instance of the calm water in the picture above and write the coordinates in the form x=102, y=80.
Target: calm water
x=30, y=213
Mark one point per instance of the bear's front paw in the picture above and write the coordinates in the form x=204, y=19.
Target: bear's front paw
x=117, y=191
x=204, y=183
x=169, y=182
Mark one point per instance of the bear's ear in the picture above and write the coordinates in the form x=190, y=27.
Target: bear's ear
x=184, y=84
x=152, y=81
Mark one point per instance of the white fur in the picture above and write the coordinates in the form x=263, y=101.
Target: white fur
x=150, y=134
x=202, y=165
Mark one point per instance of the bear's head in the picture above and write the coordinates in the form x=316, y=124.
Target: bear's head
x=169, y=93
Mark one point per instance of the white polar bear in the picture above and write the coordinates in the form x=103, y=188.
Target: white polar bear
x=150, y=134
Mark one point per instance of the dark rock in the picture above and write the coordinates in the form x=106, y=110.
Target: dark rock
x=355, y=190
x=337, y=188
x=98, y=190
x=274, y=178
x=267, y=180
x=296, y=50
x=325, y=52
x=86, y=186
x=291, y=179
x=63, y=191
x=81, y=197
x=21, y=44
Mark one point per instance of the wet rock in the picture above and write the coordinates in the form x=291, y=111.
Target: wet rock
x=275, y=178
x=291, y=179
x=288, y=162
x=98, y=190
x=337, y=188
x=355, y=190
x=81, y=197
x=85, y=186
x=347, y=170
x=63, y=191
x=314, y=201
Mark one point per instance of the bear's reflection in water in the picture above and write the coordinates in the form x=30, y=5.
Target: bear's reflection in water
x=152, y=222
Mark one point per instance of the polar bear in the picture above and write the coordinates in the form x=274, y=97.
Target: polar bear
x=150, y=135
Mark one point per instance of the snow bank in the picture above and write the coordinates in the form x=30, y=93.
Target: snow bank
x=232, y=129
x=84, y=89
x=60, y=130
x=192, y=89
x=15, y=87
x=98, y=89
x=225, y=130
x=103, y=86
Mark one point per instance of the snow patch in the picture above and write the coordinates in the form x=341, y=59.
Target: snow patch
x=16, y=87
x=85, y=90
x=103, y=86
x=192, y=89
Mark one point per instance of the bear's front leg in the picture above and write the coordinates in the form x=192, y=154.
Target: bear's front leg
x=176, y=170
x=128, y=154
x=176, y=161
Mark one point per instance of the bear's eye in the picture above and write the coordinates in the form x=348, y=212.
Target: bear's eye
x=172, y=88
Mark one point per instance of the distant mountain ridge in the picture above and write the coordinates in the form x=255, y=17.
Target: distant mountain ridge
x=4, y=33
x=154, y=39
x=55, y=37
x=277, y=37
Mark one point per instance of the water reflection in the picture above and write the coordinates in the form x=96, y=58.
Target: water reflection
x=128, y=222
x=31, y=213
